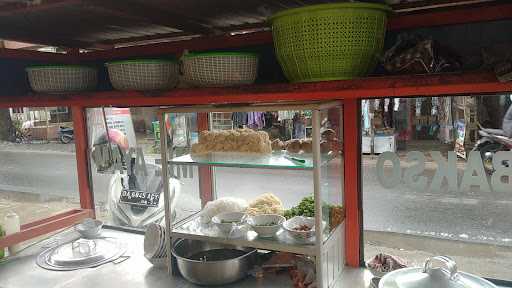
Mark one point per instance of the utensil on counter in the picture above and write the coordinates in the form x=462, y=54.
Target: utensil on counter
x=207, y=263
x=154, y=244
x=381, y=264
x=295, y=159
x=260, y=224
x=444, y=276
x=89, y=228
x=82, y=253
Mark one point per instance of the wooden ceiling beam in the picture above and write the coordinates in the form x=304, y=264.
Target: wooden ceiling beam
x=44, y=5
x=164, y=37
x=196, y=44
x=151, y=15
x=452, y=16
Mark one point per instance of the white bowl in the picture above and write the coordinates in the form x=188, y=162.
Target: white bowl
x=296, y=221
x=259, y=223
x=226, y=221
x=89, y=228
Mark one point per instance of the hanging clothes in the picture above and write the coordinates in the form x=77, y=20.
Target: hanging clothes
x=299, y=126
x=239, y=119
x=285, y=115
x=366, y=116
x=269, y=119
x=255, y=120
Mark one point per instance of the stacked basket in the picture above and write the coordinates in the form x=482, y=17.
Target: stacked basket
x=329, y=41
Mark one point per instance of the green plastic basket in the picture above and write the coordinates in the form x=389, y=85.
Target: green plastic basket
x=329, y=41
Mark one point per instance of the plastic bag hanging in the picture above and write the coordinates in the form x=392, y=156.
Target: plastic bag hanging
x=107, y=156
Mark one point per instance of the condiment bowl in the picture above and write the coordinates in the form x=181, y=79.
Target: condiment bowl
x=266, y=225
x=226, y=221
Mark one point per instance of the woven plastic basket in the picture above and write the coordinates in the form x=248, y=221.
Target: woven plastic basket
x=220, y=69
x=144, y=74
x=329, y=41
x=62, y=78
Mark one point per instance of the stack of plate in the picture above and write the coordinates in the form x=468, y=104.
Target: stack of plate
x=81, y=254
x=154, y=244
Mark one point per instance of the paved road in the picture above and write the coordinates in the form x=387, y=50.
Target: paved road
x=47, y=173
x=475, y=217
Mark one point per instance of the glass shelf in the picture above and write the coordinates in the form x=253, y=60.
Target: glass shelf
x=277, y=160
x=192, y=228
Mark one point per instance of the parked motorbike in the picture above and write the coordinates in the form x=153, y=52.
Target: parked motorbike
x=494, y=140
x=137, y=208
x=135, y=190
x=66, y=134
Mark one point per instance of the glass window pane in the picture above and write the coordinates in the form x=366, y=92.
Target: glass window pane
x=331, y=173
x=38, y=176
x=130, y=164
x=435, y=184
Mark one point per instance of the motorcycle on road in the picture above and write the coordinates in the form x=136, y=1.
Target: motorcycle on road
x=66, y=134
x=494, y=140
x=135, y=190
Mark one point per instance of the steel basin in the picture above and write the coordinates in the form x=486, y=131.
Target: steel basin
x=218, y=272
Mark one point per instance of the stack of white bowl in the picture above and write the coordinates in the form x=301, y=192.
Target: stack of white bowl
x=154, y=244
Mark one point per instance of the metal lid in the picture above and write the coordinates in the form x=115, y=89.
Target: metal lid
x=445, y=276
x=81, y=253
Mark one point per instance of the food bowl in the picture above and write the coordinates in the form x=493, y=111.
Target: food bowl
x=207, y=263
x=89, y=228
x=226, y=221
x=291, y=226
x=266, y=225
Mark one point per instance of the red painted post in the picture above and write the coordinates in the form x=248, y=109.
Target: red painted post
x=351, y=142
x=45, y=226
x=82, y=157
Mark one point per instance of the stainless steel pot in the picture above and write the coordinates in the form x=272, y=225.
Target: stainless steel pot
x=444, y=276
x=216, y=272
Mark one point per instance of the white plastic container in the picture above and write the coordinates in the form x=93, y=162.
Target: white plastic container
x=12, y=225
x=383, y=144
x=366, y=146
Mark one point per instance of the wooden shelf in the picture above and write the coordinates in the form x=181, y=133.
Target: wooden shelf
x=31, y=55
x=371, y=87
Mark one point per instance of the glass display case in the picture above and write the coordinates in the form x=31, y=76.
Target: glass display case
x=266, y=165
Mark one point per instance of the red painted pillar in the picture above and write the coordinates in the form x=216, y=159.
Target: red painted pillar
x=352, y=180
x=82, y=158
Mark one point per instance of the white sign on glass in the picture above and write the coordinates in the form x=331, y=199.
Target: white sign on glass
x=474, y=174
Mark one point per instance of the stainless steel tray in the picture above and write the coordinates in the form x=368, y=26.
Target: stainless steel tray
x=81, y=253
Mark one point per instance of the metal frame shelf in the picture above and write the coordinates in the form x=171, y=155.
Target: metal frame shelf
x=327, y=248
x=249, y=239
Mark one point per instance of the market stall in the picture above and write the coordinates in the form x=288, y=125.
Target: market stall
x=224, y=110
